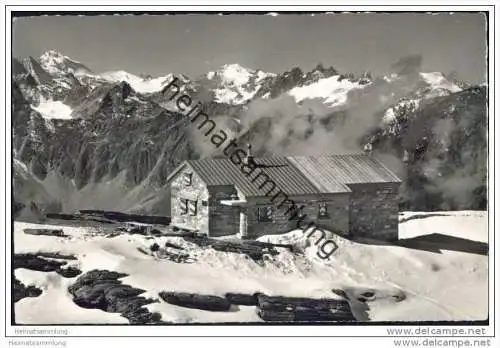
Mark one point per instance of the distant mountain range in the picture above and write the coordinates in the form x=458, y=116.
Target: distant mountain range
x=108, y=141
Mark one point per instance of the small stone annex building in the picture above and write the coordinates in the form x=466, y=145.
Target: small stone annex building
x=354, y=195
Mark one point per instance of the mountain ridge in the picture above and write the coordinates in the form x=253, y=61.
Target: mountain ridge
x=122, y=128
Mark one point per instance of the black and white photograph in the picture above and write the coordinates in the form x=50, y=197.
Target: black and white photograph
x=249, y=168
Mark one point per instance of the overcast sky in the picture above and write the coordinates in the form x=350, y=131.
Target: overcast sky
x=195, y=44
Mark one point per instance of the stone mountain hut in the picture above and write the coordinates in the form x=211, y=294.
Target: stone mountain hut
x=353, y=195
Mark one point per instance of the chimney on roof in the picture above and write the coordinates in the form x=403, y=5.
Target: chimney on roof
x=368, y=149
x=249, y=157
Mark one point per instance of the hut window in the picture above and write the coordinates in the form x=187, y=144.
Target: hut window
x=192, y=207
x=265, y=213
x=322, y=210
x=188, y=179
x=183, y=206
x=204, y=203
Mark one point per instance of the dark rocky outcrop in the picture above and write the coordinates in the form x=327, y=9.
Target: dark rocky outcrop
x=269, y=308
x=190, y=300
x=141, y=315
x=242, y=299
x=46, y=262
x=36, y=263
x=303, y=315
x=20, y=291
x=278, y=302
x=98, y=275
x=45, y=232
x=56, y=255
x=296, y=309
x=104, y=290
x=155, y=232
x=69, y=272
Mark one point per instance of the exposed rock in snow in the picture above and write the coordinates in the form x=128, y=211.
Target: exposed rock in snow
x=390, y=113
x=235, y=84
x=37, y=72
x=56, y=63
x=438, y=82
x=20, y=291
x=102, y=289
x=190, y=300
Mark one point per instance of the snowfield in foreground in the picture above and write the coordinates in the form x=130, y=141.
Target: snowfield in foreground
x=442, y=278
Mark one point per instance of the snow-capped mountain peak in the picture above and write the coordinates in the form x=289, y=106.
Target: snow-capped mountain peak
x=52, y=57
x=235, y=74
x=56, y=63
x=235, y=84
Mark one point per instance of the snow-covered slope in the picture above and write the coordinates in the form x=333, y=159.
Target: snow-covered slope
x=333, y=90
x=53, y=109
x=441, y=284
x=139, y=84
x=439, y=84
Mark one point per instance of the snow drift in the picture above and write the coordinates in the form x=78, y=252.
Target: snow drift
x=440, y=283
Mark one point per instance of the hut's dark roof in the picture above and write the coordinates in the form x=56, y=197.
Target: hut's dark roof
x=295, y=175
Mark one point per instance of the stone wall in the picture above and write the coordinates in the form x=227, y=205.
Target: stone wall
x=212, y=218
x=374, y=211
x=337, y=219
x=198, y=192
